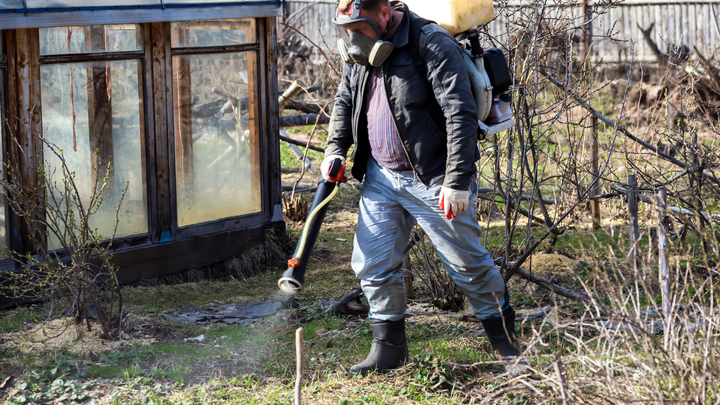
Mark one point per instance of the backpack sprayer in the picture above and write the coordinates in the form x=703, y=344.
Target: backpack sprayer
x=292, y=280
x=487, y=68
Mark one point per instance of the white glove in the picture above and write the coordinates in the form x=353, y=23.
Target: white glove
x=453, y=201
x=327, y=163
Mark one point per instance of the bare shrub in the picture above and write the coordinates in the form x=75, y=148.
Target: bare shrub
x=613, y=351
x=77, y=271
x=426, y=265
x=295, y=207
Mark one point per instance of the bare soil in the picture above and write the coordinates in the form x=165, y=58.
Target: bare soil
x=64, y=334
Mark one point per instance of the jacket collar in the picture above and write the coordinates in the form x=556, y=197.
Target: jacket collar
x=401, y=37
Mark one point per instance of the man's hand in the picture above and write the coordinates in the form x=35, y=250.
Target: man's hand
x=453, y=201
x=326, y=165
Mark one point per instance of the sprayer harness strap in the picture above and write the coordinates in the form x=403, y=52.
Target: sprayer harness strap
x=416, y=31
x=416, y=26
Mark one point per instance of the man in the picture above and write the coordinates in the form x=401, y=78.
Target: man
x=405, y=104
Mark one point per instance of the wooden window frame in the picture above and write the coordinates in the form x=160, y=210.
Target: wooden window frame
x=136, y=55
x=255, y=90
x=22, y=68
x=3, y=144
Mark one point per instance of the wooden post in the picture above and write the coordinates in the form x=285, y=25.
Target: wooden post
x=25, y=119
x=508, y=196
x=257, y=147
x=632, y=199
x=663, y=271
x=299, y=365
x=99, y=107
x=595, y=171
x=182, y=104
x=272, y=194
x=162, y=84
x=594, y=144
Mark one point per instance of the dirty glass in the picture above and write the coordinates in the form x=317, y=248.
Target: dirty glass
x=216, y=148
x=93, y=112
x=90, y=39
x=213, y=33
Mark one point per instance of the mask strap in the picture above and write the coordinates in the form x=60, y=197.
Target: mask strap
x=390, y=26
x=356, y=6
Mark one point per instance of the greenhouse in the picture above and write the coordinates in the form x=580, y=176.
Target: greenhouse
x=173, y=103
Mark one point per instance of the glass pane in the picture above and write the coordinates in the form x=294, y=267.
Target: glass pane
x=213, y=33
x=3, y=202
x=93, y=112
x=216, y=148
x=90, y=39
x=3, y=58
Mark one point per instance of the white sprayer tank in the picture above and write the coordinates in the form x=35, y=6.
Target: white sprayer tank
x=455, y=15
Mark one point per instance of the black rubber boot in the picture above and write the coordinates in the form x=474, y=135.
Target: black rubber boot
x=389, y=348
x=500, y=331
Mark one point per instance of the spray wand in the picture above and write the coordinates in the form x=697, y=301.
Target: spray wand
x=292, y=280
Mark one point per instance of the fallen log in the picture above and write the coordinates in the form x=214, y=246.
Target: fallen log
x=300, y=120
x=306, y=108
x=678, y=210
x=544, y=282
x=540, y=313
x=308, y=90
x=288, y=95
x=300, y=143
x=343, y=305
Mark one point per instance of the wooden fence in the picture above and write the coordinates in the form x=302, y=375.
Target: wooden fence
x=690, y=23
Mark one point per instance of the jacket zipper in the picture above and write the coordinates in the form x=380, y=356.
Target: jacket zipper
x=402, y=142
x=356, y=114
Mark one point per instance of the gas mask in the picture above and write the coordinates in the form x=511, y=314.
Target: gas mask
x=356, y=47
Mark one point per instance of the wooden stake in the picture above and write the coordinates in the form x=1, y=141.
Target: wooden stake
x=632, y=199
x=662, y=239
x=299, y=365
x=595, y=171
x=594, y=142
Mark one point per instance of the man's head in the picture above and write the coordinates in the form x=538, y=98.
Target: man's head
x=363, y=26
x=370, y=6
x=361, y=14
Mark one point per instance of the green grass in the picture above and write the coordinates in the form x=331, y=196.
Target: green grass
x=13, y=320
x=288, y=159
x=163, y=298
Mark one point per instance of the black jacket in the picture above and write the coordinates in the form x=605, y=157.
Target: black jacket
x=430, y=97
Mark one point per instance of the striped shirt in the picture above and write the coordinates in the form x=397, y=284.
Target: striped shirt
x=385, y=143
